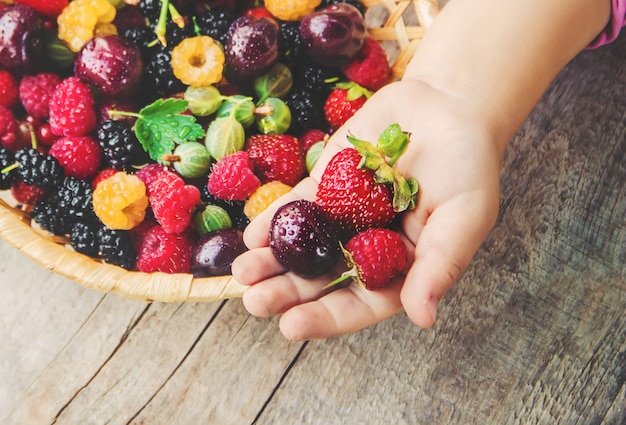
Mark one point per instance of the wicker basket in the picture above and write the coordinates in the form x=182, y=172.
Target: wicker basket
x=398, y=25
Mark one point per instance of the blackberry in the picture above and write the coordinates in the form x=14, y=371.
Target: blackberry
x=355, y=3
x=74, y=199
x=315, y=78
x=215, y=23
x=84, y=238
x=120, y=146
x=142, y=37
x=307, y=111
x=290, y=43
x=174, y=34
x=8, y=177
x=159, y=76
x=116, y=247
x=150, y=9
x=38, y=169
x=48, y=216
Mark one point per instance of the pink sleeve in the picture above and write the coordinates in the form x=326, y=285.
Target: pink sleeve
x=618, y=20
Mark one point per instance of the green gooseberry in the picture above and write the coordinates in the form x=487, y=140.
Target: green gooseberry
x=240, y=108
x=273, y=116
x=224, y=136
x=203, y=101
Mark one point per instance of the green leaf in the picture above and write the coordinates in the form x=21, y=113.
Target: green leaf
x=162, y=125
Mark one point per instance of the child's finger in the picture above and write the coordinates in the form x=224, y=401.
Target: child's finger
x=343, y=311
x=445, y=247
x=279, y=292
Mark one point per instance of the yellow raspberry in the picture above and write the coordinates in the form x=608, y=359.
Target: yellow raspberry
x=291, y=10
x=263, y=197
x=198, y=61
x=120, y=201
x=80, y=19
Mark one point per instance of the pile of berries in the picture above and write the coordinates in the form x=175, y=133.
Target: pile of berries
x=145, y=132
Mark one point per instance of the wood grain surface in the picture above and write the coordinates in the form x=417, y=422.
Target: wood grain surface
x=534, y=333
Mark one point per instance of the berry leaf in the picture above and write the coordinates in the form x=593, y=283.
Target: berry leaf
x=162, y=125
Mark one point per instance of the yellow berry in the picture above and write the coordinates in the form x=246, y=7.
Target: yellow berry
x=120, y=201
x=263, y=197
x=291, y=10
x=198, y=61
x=80, y=20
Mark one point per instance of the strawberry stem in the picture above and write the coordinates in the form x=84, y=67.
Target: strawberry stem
x=9, y=168
x=161, y=26
x=352, y=273
x=176, y=16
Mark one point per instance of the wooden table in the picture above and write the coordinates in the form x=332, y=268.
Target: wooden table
x=535, y=332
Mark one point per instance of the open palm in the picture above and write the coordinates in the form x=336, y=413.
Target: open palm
x=455, y=159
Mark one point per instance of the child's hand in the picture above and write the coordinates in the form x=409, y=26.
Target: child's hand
x=456, y=161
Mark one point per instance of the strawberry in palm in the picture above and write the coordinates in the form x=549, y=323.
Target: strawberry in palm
x=375, y=256
x=360, y=188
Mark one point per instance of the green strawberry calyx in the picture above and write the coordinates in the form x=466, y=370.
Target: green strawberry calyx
x=352, y=272
x=392, y=143
x=354, y=90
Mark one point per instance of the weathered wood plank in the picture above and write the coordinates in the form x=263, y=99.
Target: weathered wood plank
x=43, y=317
x=535, y=332
x=150, y=352
x=229, y=375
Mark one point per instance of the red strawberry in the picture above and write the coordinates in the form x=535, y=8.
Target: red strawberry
x=343, y=102
x=370, y=68
x=351, y=196
x=51, y=8
x=276, y=157
x=375, y=256
x=232, y=178
x=361, y=189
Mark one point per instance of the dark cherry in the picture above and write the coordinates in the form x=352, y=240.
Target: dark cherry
x=214, y=253
x=112, y=64
x=334, y=35
x=21, y=39
x=252, y=46
x=304, y=238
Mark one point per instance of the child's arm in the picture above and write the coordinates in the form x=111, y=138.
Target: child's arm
x=479, y=71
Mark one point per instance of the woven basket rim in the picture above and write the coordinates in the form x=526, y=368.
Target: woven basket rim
x=53, y=254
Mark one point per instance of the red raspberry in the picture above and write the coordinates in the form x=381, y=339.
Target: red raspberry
x=8, y=89
x=370, y=68
x=102, y=175
x=80, y=156
x=150, y=174
x=36, y=91
x=311, y=137
x=9, y=129
x=232, y=178
x=164, y=252
x=26, y=194
x=276, y=157
x=72, y=108
x=173, y=202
